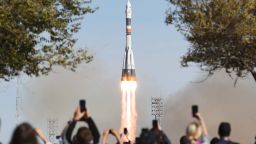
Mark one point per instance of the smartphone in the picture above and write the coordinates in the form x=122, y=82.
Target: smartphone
x=82, y=105
x=110, y=131
x=155, y=124
x=194, y=110
x=125, y=131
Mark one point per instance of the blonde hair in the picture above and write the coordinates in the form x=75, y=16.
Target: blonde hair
x=193, y=132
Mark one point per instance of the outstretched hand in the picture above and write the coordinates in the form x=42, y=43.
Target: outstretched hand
x=198, y=116
x=78, y=115
x=201, y=120
x=114, y=132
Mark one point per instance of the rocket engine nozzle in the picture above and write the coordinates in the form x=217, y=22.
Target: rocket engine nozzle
x=128, y=75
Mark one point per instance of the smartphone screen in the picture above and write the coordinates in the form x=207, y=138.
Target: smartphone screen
x=194, y=110
x=82, y=105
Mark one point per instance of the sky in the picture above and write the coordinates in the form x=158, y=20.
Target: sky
x=157, y=47
x=157, y=50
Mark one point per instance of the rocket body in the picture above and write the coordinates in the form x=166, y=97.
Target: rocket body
x=128, y=71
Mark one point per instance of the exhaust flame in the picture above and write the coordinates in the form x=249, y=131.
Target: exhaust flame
x=129, y=113
x=128, y=85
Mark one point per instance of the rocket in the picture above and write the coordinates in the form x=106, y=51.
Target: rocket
x=128, y=71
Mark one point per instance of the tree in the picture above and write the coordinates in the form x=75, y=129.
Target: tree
x=222, y=34
x=35, y=35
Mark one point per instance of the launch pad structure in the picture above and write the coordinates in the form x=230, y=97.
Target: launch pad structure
x=157, y=108
x=52, y=125
x=19, y=101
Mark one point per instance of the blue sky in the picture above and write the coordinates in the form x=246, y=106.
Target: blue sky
x=157, y=51
x=157, y=47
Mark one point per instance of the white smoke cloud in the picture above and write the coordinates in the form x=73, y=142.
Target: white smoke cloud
x=57, y=95
x=218, y=101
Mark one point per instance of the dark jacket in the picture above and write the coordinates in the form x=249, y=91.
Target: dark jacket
x=222, y=141
x=92, y=126
x=158, y=137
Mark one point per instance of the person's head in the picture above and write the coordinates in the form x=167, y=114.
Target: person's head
x=24, y=134
x=193, y=132
x=224, y=129
x=214, y=140
x=84, y=136
x=184, y=140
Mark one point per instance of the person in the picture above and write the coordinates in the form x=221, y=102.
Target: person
x=184, y=140
x=84, y=135
x=215, y=140
x=224, y=132
x=196, y=132
x=124, y=137
x=26, y=134
x=113, y=132
x=62, y=137
x=40, y=134
x=156, y=135
x=144, y=136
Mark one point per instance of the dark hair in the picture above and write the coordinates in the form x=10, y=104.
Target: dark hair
x=24, y=134
x=224, y=129
x=83, y=136
x=214, y=140
x=184, y=140
x=144, y=136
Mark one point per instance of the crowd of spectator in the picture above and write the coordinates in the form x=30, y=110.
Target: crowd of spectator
x=195, y=133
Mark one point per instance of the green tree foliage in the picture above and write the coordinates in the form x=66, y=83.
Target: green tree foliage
x=35, y=35
x=222, y=33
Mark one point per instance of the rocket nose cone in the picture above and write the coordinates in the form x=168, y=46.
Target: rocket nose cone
x=128, y=4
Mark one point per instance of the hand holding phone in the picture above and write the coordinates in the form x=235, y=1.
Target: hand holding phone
x=82, y=105
x=110, y=131
x=194, y=110
x=125, y=131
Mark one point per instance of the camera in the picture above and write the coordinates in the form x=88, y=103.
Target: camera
x=194, y=110
x=82, y=104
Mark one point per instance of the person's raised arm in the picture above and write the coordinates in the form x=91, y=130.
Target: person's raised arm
x=202, y=123
x=112, y=132
x=116, y=135
x=41, y=135
x=92, y=126
x=76, y=117
x=105, y=136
